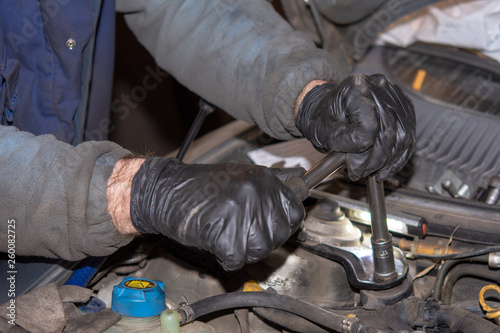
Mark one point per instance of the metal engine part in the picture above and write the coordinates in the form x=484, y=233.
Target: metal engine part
x=327, y=224
x=493, y=193
x=299, y=273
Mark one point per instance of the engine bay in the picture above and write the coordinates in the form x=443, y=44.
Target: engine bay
x=442, y=213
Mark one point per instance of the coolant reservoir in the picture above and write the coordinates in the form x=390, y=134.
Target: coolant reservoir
x=140, y=302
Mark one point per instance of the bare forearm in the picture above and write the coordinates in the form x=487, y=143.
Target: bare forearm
x=119, y=187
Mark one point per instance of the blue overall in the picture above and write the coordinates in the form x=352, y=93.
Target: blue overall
x=54, y=48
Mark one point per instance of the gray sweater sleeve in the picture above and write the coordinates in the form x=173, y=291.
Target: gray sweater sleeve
x=57, y=195
x=238, y=54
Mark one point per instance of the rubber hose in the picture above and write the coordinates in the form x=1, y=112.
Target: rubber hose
x=288, y=320
x=445, y=268
x=473, y=271
x=417, y=313
x=459, y=320
x=235, y=300
x=296, y=323
x=474, y=307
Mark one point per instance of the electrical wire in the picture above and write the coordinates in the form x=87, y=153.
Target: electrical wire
x=459, y=255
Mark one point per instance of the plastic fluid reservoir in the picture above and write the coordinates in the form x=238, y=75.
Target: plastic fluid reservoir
x=140, y=302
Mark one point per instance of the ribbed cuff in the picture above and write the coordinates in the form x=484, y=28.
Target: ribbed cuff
x=105, y=239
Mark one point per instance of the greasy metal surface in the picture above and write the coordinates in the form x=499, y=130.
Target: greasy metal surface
x=299, y=273
x=358, y=263
x=326, y=223
x=409, y=225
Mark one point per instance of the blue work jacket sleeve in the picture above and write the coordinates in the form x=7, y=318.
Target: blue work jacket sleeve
x=56, y=196
x=238, y=54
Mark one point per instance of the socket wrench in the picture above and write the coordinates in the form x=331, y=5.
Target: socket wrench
x=381, y=240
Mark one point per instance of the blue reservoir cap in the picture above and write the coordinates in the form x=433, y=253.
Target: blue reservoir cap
x=135, y=297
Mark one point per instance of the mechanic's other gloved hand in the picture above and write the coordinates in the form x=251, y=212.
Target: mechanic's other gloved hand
x=365, y=116
x=236, y=211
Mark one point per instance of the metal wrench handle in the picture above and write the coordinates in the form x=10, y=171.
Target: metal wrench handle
x=383, y=255
x=330, y=164
x=324, y=168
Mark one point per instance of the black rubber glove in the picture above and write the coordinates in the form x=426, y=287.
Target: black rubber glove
x=365, y=116
x=236, y=211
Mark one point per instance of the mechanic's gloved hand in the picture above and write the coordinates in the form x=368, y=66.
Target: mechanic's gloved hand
x=236, y=211
x=365, y=116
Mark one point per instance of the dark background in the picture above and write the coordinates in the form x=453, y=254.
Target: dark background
x=158, y=124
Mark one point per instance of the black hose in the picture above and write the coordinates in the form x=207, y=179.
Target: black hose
x=474, y=307
x=288, y=320
x=235, y=300
x=459, y=320
x=432, y=315
x=445, y=268
x=412, y=311
x=473, y=271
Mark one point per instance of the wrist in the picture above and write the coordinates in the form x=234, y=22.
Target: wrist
x=304, y=92
x=309, y=106
x=119, y=193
